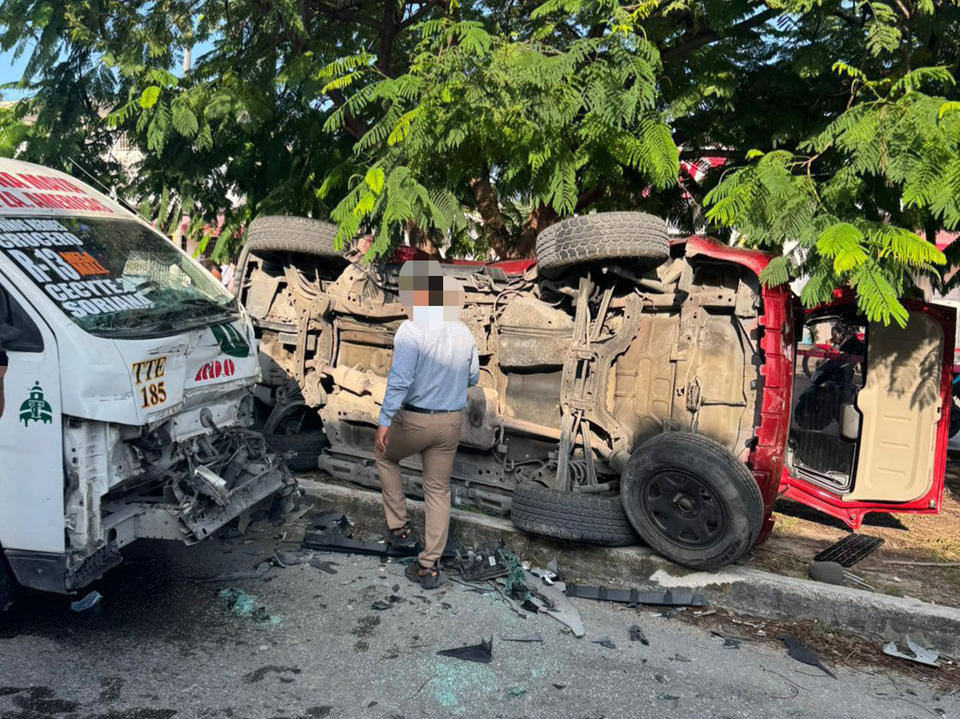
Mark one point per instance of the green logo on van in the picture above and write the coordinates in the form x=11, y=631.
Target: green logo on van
x=231, y=342
x=36, y=408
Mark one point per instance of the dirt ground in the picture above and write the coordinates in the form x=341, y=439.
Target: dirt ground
x=802, y=532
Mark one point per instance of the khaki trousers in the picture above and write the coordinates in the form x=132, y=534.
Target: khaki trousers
x=435, y=437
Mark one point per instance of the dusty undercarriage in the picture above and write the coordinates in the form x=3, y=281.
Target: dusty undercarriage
x=578, y=369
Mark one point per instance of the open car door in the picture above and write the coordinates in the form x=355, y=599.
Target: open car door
x=870, y=411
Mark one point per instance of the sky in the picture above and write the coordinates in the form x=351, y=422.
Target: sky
x=10, y=71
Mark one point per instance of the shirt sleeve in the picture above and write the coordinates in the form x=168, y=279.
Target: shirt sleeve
x=406, y=352
x=474, y=367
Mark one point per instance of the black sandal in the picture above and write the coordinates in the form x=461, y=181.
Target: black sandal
x=403, y=537
x=426, y=577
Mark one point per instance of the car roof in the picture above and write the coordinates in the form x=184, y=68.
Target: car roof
x=33, y=190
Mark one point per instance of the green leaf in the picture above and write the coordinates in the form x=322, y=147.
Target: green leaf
x=149, y=97
x=374, y=179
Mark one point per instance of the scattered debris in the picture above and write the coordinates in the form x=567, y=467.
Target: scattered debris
x=668, y=598
x=556, y=604
x=667, y=697
x=920, y=649
x=527, y=638
x=849, y=550
x=324, y=566
x=331, y=533
x=637, y=635
x=605, y=642
x=708, y=613
x=244, y=605
x=261, y=571
x=260, y=674
x=680, y=658
x=554, y=566
x=670, y=613
x=559, y=686
x=90, y=600
x=516, y=691
x=924, y=564
x=481, y=653
x=287, y=559
x=546, y=575
x=481, y=566
x=387, y=603
x=804, y=654
x=729, y=643
x=730, y=640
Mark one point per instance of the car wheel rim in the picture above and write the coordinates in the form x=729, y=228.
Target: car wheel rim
x=684, y=509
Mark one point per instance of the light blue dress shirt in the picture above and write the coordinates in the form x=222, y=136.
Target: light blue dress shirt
x=432, y=368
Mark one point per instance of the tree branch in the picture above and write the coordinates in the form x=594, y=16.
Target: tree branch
x=708, y=37
x=418, y=15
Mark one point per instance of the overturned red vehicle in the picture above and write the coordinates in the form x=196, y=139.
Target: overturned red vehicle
x=629, y=385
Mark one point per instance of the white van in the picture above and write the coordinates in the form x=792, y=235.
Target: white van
x=127, y=395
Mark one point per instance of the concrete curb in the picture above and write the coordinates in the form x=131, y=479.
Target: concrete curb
x=737, y=589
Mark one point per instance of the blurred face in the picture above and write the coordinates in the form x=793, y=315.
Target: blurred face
x=427, y=295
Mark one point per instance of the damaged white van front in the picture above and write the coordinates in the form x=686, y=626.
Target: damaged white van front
x=127, y=389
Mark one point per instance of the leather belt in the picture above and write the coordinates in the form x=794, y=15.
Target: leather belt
x=423, y=410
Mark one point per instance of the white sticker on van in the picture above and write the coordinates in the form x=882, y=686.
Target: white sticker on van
x=56, y=260
x=24, y=192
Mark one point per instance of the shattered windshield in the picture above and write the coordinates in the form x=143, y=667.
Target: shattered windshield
x=114, y=278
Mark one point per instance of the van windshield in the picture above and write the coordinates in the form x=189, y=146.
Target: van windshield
x=114, y=277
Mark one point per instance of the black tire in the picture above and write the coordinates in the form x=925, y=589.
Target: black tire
x=272, y=233
x=608, y=236
x=305, y=448
x=573, y=516
x=7, y=584
x=716, y=511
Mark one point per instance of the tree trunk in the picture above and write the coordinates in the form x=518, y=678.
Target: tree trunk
x=540, y=219
x=494, y=228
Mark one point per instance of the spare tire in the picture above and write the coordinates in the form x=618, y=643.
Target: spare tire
x=590, y=518
x=293, y=234
x=691, y=500
x=633, y=237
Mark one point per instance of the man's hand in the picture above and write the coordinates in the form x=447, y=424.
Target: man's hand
x=382, y=439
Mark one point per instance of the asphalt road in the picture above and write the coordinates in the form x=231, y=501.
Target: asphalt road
x=162, y=644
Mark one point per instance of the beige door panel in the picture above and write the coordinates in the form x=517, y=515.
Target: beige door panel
x=900, y=405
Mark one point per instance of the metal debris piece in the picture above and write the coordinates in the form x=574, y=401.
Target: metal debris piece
x=516, y=691
x=481, y=653
x=727, y=637
x=668, y=598
x=554, y=566
x=90, y=600
x=729, y=643
x=804, y=654
x=605, y=642
x=323, y=566
x=708, y=613
x=637, y=635
x=667, y=697
x=545, y=574
x=527, y=638
x=680, y=658
x=918, y=654
x=922, y=650
x=556, y=604
x=849, y=550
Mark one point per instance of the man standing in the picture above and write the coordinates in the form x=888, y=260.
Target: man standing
x=434, y=363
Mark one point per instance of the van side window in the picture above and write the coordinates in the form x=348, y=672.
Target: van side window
x=18, y=333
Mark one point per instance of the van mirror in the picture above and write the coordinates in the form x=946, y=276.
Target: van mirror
x=849, y=422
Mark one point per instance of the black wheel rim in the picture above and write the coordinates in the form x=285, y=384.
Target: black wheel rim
x=683, y=508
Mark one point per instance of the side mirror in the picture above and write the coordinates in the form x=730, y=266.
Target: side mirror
x=849, y=421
